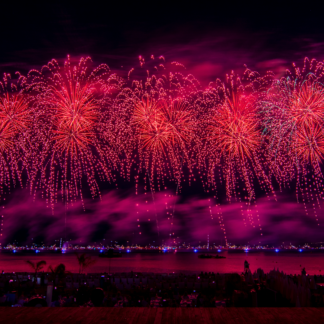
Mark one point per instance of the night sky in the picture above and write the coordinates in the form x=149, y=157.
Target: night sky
x=210, y=40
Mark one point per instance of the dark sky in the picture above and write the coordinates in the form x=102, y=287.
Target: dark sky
x=223, y=33
x=211, y=40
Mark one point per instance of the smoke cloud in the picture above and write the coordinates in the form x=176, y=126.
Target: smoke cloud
x=123, y=216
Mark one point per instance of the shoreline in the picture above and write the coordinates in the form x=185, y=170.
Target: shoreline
x=159, y=252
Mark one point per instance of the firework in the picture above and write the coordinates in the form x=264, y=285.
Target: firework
x=164, y=131
x=16, y=116
x=15, y=112
x=162, y=124
x=293, y=117
x=233, y=143
x=156, y=121
x=67, y=128
x=71, y=99
x=310, y=144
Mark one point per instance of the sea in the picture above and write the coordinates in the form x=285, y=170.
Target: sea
x=290, y=262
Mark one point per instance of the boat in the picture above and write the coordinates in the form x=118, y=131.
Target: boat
x=210, y=256
x=205, y=256
x=219, y=257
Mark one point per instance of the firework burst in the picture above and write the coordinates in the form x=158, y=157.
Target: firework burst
x=16, y=116
x=71, y=151
x=293, y=117
x=158, y=135
x=66, y=128
x=233, y=143
x=164, y=131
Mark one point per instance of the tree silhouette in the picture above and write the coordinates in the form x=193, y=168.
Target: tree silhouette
x=84, y=261
x=59, y=271
x=36, y=266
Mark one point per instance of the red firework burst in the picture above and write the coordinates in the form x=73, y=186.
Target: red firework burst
x=235, y=129
x=71, y=99
x=293, y=117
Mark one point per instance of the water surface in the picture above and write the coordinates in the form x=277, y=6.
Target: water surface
x=289, y=262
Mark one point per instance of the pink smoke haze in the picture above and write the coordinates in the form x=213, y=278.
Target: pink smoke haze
x=132, y=218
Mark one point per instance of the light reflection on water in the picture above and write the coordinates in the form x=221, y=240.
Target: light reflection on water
x=288, y=262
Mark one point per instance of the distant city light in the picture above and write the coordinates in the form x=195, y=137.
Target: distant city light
x=195, y=250
x=300, y=250
x=277, y=250
x=219, y=250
